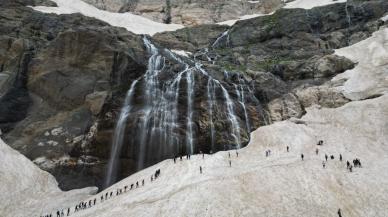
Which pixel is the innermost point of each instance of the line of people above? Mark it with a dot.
(88, 204)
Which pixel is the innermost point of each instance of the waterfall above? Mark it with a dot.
(118, 137)
(232, 117)
(190, 99)
(211, 100)
(241, 99)
(161, 127)
(222, 36)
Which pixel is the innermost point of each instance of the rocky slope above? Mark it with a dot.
(189, 13)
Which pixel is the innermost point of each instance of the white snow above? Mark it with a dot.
(308, 4)
(245, 17)
(372, 57)
(131, 22)
(27, 190)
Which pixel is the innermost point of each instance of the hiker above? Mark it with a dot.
(237, 153)
(229, 154)
(102, 198)
(106, 195)
(111, 193)
(302, 156)
(62, 214)
(340, 157)
(339, 213)
(203, 155)
(76, 208)
(125, 188)
(316, 151)
(174, 160)
(200, 169)
(152, 178)
(180, 157)
(230, 163)
(137, 184)
(288, 149)
(347, 164)
(326, 157)
(189, 156)
(90, 203)
(351, 168)
(131, 186)
(332, 157)
(58, 214)
(142, 182)
(266, 153)
(68, 211)
(323, 164)
(94, 202)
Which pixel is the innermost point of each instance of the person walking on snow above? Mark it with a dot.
(230, 163)
(339, 213)
(302, 156)
(288, 149)
(326, 157)
(200, 169)
(340, 158)
(316, 151)
(323, 164)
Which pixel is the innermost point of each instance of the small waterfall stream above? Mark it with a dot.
(118, 137)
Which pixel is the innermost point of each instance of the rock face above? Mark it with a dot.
(189, 13)
(64, 81)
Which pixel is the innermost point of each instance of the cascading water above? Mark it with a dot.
(218, 40)
(211, 102)
(241, 99)
(118, 137)
(164, 125)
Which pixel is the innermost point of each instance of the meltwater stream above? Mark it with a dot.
(167, 107)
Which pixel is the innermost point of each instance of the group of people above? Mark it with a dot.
(88, 204)
(108, 195)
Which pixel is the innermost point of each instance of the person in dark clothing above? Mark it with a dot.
(106, 195)
(131, 186)
(229, 154)
(68, 211)
(288, 149)
(137, 184)
(302, 156)
(203, 155)
(174, 160)
(236, 153)
(323, 164)
(142, 182)
(347, 164)
(58, 214)
(316, 151)
(111, 194)
(90, 203)
(76, 208)
(200, 169)
(180, 157)
(340, 157)
(339, 213)
(62, 214)
(152, 178)
(230, 163)
(102, 198)
(326, 157)
(351, 168)
(125, 188)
